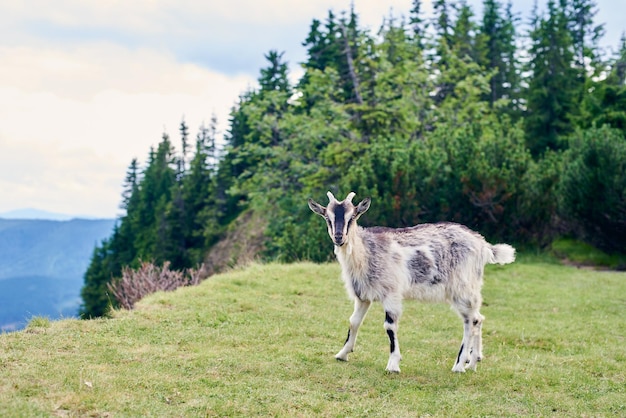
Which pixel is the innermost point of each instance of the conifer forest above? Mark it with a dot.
(512, 125)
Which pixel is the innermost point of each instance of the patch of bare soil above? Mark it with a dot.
(242, 244)
(583, 266)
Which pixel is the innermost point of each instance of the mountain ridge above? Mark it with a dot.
(42, 266)
(40, 214)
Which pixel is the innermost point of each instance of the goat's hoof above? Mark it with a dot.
(471, 366)
(392, 368)
(458, 368)
(341, 358)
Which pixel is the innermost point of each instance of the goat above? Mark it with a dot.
(441, 262)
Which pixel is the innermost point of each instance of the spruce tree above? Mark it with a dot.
(463, 39)
(606, 101)
(199, 195)
(418, 24)
(155, 193)
(585, 36)
(499, 53)
(184, 146)
(552, 93)
(122, 242)
(131, 184)
(274, 77)
(443, 22)
(96, 300)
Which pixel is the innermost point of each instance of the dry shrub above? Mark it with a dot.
(147, 279)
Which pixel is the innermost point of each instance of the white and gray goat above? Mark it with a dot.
(440, 262)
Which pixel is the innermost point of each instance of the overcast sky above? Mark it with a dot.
(85, 86)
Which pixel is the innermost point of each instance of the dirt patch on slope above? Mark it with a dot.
(243, 242)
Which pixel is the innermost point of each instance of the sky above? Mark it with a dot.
(86, 86)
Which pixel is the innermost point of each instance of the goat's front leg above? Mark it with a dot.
(360, 309)
(393, 310)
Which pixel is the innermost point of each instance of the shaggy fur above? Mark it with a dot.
(441, 262)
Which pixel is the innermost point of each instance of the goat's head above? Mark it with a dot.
(340, 216)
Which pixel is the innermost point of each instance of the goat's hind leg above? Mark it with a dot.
(476, 337)
(360, 309)
(471, 346)
(392, 316)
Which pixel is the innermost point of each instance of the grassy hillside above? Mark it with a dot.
(261, 341)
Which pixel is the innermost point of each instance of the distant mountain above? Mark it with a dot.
(21, 298)
(42, 264)
(30, 213)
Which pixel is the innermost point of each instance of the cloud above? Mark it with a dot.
(227, 36)
(75, 181)
(74, 119)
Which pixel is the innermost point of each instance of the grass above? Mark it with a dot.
(260, 342)
(39, 322)
(580, 253)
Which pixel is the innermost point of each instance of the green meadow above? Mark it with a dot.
(259, 341)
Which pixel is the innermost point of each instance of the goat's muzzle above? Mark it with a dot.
(339, 240)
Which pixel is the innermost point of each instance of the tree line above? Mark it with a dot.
(516, 131)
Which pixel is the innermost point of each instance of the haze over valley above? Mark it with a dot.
(42, 264)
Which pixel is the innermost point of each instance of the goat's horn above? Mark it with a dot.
(350, 196)
(330, 197)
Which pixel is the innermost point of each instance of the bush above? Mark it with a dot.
(469, 174)
(147, 279)
(592, 190)
(537, 222)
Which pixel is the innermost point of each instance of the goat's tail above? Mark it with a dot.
(502, 254)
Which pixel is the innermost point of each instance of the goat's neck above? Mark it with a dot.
(352, 255)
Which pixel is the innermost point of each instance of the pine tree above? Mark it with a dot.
(274, 77)
(199, 195)
(499, 53)
(337, 45)
(93, 293)
(105, 265)
(458, 48)
(315, 43)
(463, 41)
(122, 243)
(619, 65)
(174, 226)
(585, 36)
(443, 22)
(321, 43)
(155, 193)
(184, 142)
(606, 101)
(131, 184)
(206, 140)
(552, 94)
(417, 23)
(443, 53)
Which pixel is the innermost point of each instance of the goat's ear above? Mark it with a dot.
(363, 206)
(317, 208)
